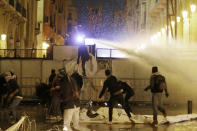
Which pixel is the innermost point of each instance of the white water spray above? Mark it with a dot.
(177, 61)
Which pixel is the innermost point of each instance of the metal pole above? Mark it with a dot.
(167, 22)
(189, 107)
(175, 19)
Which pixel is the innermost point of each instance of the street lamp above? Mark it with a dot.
(80, 38)
(3, 36)
(178, 19)
(172, 23)
(45, 45)
(193, 8)
(163, 30)
(184, 13)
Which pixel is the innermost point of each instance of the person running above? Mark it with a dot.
(116, 95)
(129, 92)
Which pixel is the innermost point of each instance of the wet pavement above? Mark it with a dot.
(38, 113)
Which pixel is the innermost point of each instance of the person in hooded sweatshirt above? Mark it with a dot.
(157, 86)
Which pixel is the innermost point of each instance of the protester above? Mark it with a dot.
(116, 96)
(129, 92)
(157, 85)
(70, 93)
(51, 77)
(84, 56)
(54, 109)
(14, 96)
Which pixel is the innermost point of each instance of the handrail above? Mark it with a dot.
(26, 53)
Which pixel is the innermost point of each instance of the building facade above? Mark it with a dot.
(101, 19)
(59, 17)
(64, 20)
(168, 20)
(17, 27)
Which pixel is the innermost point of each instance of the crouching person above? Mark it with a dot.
(14, 97)
(70, 93)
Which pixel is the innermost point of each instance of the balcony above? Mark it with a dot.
(25, 53)
(13, 8)
(158, 7)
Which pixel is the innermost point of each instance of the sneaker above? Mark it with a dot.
(109, 122)
(65, 129)
(132, 121)
(154, 122)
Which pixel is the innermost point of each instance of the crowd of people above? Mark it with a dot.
(117, 89)
(65, 98)
(64, 95)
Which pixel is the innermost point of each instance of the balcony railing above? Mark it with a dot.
(26, 53)
(110, 53)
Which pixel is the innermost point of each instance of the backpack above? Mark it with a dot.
(160, 82)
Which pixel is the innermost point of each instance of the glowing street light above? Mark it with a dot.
(193, 8)
(158, 34)
(178, 19)
(163, 30)
(45, 45)
(184, 13)
(80, 38)
(172, 23)
(3, 36)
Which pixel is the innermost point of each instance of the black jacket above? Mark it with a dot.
(68, 87)
(83, 54)
(127, 89)
(111, 84)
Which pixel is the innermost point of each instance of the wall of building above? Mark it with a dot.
(18, 24)
(40, 19)
(56, 21)
(157, 19)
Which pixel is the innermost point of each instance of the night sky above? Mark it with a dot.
(108, 7)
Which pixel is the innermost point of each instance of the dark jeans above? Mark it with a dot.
(113, 101)
(54, 108)
(83, 67)
(127, 105)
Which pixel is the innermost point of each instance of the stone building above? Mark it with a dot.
(59, 18)
(17, 27)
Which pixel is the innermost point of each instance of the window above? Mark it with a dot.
(110, 53)
(52, 1)
(69, 16)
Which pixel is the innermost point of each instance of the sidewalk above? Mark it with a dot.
(38, 112)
